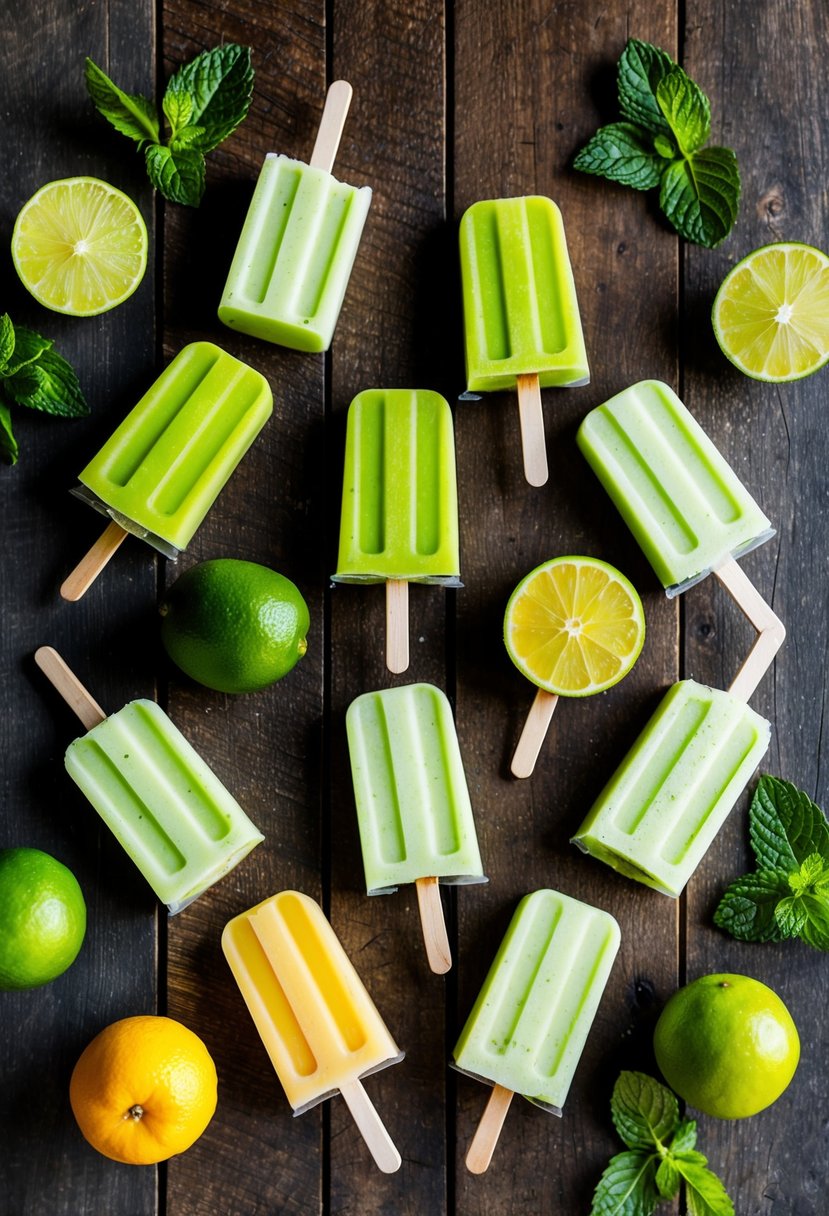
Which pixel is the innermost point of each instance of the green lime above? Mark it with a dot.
(42, 918)
(727, 1045)
(234, 626)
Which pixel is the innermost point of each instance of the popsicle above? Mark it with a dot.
(521, 315)
(162, 469)
(161, 801)
(413, 806)
(529, 1025)
(684, 504)
(319, 1025)
(671, 794)
(293, 261)
(399, 521)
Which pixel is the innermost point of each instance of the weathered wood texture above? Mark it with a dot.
(452, 103)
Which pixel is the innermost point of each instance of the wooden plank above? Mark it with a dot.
(530, 88)
(773, 437)
(51, 131)
(255, 1157)
(393, 54)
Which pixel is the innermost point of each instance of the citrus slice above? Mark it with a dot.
(771, 313)
(574, 626)
(80, 246)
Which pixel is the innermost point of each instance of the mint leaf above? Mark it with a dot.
(811, 873)
(178, 108)
(791, 916)
(785, 826)
(686, 109)
(685, 1137)
(131, 114)
(49, 385)
(641, 68)
(644, 1112)
(177, 174)
(815, 929)
(746, 911)
(622, 153)
(188, 137)
(7, 340)
(700, 195)
(705, 1194)
(220, 85)
(8, 444)
(667, 1178)
(28, 347)
(627, 1187)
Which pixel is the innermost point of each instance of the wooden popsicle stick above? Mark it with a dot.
(69, 686)
(93, 562)
(380, 1144)
(489, 1129)
(433, 925)
(534, 733)
(397, 625)
(533, 443)
(334, 114)
(771, 631)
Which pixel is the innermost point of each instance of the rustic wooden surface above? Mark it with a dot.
(452, 103)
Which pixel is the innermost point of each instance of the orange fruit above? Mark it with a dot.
(143, 1090)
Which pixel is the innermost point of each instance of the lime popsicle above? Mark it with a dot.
(161, 801)
(290, 271)
(529, 1025)
(521, 316)
(413, 806)
(162, 469)
(399, 521)
(660, 811)
(319, 1025)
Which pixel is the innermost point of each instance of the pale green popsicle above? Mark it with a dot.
(162, 469)
(529, 1025)
(400, 498)
(162, 802)
(521, 314)
(289, 273)
(671, 794)
(413, 806)
(680, 498)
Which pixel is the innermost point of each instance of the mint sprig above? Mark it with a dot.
(205, 101)
(34, 375)
(662, 1155)
(662, 143)
(788, 894)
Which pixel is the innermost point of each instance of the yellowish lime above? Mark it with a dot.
(80, 246)
(771, 313)
(234, 625)
(727, 1045)
(574, 626)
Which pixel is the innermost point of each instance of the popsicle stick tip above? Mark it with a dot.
(397, 625)
(64, 680)
(533, 734)
(433, 925)
(76, 584)
(531, 417)
(371, 1127)
(489, 1129)
(334, 114)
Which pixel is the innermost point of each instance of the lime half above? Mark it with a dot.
(771, 313)
(80, 246)
(574, 626)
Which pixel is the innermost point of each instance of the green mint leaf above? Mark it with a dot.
(746, 911)
(644, 1112)
(623, 153)
(812, 871)
(785, 825)
(28, 347)
(7, 340)
(131, 114)
(641, 68)
(700, 195)
(665, 147)
(791, 916)
(178, 108)
(177, 174)
(189, 137)
(815, 929)
(686, 109)
(627, 1187)
(668, 1178)
(685, 1137)
(705, 1194)
(49, 385)
(220, 84)
(8, 444)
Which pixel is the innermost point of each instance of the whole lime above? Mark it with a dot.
(727, 1045)
(234, 625)
(42, 918)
